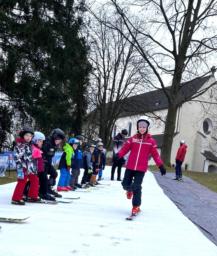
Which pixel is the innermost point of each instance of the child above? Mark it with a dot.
(37, 141)
(65, 166)
(102, 153)
(98, 160)
(88, 165)
(49, 148)
(141, 146)
(25, 167)
(75, 163)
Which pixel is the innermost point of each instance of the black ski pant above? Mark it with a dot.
(116, 164)
(86, 176)
(74, 177)
(178, 169)
(133, 182)
(43, 183)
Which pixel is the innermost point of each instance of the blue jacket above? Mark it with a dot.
(77, 159)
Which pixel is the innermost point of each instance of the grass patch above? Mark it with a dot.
(208, 180)
(9, 177)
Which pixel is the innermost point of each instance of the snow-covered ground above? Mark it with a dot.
(96, 225)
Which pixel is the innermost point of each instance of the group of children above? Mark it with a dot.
(36, 175)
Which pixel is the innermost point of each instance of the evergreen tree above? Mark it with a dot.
(44, 65)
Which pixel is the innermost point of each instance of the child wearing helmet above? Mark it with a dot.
(88, 165)
(65, 167)
(75, 164)
(140, 147)
(25, 167)
(37, 143)
(98, 160)
(102, 153)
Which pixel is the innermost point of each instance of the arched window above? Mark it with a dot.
(207, 126)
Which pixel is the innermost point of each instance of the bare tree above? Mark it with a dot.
(115, 73)
(179, 38)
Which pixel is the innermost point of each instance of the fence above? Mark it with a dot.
(7, 161)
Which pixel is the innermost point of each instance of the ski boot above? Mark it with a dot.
(48, 197)
(135, 210)
(62, 189)
(18, 202)
(54, 193)
(33, 200)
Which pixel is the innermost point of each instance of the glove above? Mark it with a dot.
(97, 170)
(116, 157)
(90, 171)
(163, 171)
(20, 174)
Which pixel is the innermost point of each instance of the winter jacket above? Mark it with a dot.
(181, 152)
(98, 159)
(66, 158)
(118, 142)
(141, 147)
(77, 159)
(23, 156)
(87, 160)
(49, 148)
(37, 158)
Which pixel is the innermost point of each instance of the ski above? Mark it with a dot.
(62, 201)
(43, 201)
(13, 220)
(72, 198)
(132, 216)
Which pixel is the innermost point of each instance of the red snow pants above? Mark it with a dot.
(21, 183)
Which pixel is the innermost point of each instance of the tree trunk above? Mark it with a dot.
(169, 134)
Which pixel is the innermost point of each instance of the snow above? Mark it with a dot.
(96, 225)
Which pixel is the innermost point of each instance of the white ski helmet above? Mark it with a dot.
(38, 136)
(182, 142)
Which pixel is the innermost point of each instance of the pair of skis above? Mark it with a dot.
(64, 200)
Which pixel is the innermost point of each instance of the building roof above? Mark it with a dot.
(210, 156)
(157, 100)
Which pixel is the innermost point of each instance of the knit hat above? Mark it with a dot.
(57, 134)
(26, 129)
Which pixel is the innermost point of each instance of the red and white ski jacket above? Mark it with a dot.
(141, 147)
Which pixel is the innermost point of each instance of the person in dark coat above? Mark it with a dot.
(49, 148)
(118, 142)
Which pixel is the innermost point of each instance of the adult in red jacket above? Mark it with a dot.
(141, 146)
(180, 156)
